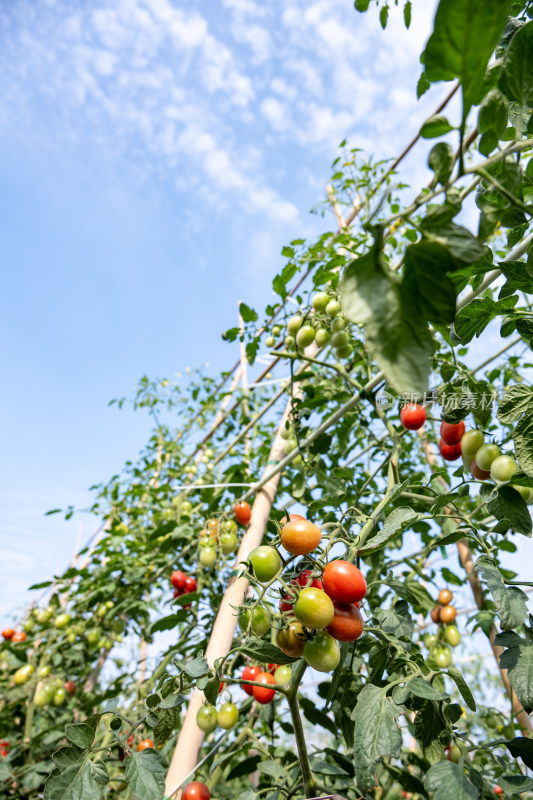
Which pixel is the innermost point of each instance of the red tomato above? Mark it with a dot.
(221, 687)
(262, 694)
(477, 472)
(177, 593)
(347, 624)
(177, 579)
(243, 513)
(344, 582)
(129, 740)
(196, 791)
(452, 433)
(190, 585)
(497, 789)
(304, 579)
(291, 518)
(272, 668)
(250, 674)
(412, 416)
(300, 537)
(70, 687)
(7, 633)
(145, 744)
(19, 636)
(450, 452)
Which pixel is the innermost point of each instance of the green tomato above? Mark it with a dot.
(322, 652)
(260, 620)
(452, 635)
(492, 721)
(294, 324)
(93, 636)
(525, 491)
(101, 610)
(185, 507)
(290, 445)
(29, 625)
(43, 616)
(467, 461)
(471, 442)
(320, 301)
(442, 656)
(270, 341)
(338, 324)
(43, 695)
(228, 526)
(23, 674)
(503, 469)
(60, 696)
(322, 337)
(339, 339)
(276, 330)
(71, 637)
(43, 672)
(207, 557)
(227, 716)
(289, 342)
(333, 308)
(486, 455)
(345, 352)
(228, 543)
(305, 336)
(206, 718)
(266, 563)
(286, 432)
(508, 731)
(283, 674)
(313, 608)
(430, 640)
(61, 621)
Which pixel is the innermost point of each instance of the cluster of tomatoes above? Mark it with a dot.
(11, 635)
(448, 634)
(222, 535)
(318, 610)
(325, 325)
(4, 747)
(182, 583)
(413, 416)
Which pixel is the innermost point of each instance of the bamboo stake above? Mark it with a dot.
(244, 381)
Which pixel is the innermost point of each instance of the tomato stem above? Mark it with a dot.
(292, 699)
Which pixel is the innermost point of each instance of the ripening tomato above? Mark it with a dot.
(486, 455)
(196, 791)
(70, 686)
(344, 582)
(450, 452)
(503, 469)
(190, 585)
(498, 789)
(177, 579)
(7, 633)
(228, 714)
(18, 636)
(260, 620)
(243, 513)
(292, 517)
(266, 563)
(145, 744)
(448, 614)
(478, 473)
(347, 624)
(445, 597)
(435, 613)
(453, 753)
(250, 674)
(471, 442)
(412, 416)
(452, 433)
(263, 694)
(314, 608)
(292, 639)
(322, 652)
(206, 718)
(300, 536)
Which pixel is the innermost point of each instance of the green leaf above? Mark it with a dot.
(376, 733)
(361, 5)
(397, 620)
(473, 318)
(248, 314)
(426, 278)
(266, 652)
(507, 503)
(145, 775)
(460, 242)
(441, 160)
(511, 603)
(518, 275)
(168, 719)
(518, 660)
(449, 782)
(422, 86)
(383, 16)
(462, 685)
(521, 747)
(523, 443)
(398, 520)
(437, 125)
(195, 668)
(245, 767)
(76, 777)
(167, 623)
(316, 716)
(517, 400)
(272, 769)
(465, 34)
(516, 77)
(515, 784)
(428, 728)
(82, 735)
(493, 113)
(421, 688)
(407, 14)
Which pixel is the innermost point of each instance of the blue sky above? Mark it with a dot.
(155, 157)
